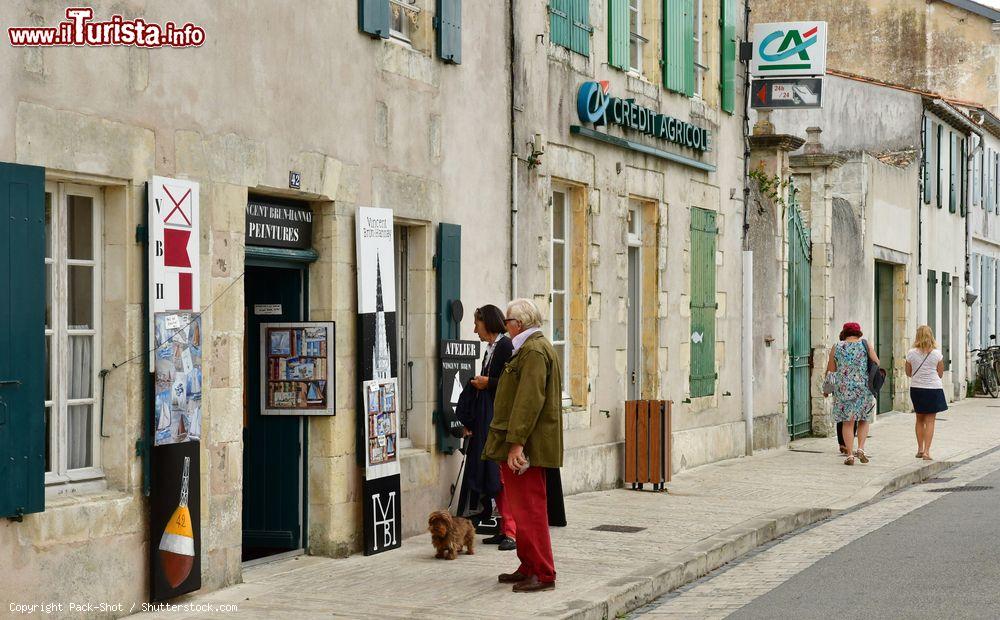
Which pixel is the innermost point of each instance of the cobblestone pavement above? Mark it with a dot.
(709, 516)
(725, 591)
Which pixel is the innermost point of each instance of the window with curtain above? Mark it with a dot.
(72, 323)
(560, 276)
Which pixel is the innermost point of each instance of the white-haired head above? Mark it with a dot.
(525, 312)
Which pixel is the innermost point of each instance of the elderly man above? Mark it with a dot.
(526, 437)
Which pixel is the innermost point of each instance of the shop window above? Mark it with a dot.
(72, 332)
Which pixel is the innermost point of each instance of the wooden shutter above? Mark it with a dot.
(928, 165)
(962, 178)
(932, 301)
(938, 190)
(618, 34)
(449, 30)
(703, 304)
(678, 46)
(977, 183)
(449, 288)
(952, 171)
(946, 319)
(727, 64)
(22, 332)
(579, 26)
(559, 22)
(373, 17)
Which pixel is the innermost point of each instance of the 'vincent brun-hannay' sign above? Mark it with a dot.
(278, 225)
(594, 105)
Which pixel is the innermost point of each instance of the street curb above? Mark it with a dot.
(650, 582)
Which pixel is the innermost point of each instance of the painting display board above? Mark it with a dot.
(458, 365)
(381, 428)
(297, 368)
(177, 377)
(378, 406)
(175, 406)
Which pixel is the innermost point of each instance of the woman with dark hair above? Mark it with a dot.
(481, 479)
(852, 401)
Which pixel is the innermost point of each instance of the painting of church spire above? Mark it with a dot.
(381, 360)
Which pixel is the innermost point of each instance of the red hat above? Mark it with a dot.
(852, 327)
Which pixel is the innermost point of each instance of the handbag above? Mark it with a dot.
(829, 383)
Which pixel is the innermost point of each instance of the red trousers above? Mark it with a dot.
(524, 498)
(508, 526)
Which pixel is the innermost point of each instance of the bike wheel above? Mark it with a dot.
(991, 383)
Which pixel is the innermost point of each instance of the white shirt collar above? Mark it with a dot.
(519, 339)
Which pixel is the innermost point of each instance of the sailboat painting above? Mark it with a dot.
(381, 454)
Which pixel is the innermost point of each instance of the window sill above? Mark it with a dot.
(77, 482)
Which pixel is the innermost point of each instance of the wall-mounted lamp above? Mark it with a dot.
(970, 295)
(537, 146)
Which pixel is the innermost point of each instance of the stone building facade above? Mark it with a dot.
(364, 121)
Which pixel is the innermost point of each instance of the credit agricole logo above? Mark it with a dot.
(790, 48)
(596, 106)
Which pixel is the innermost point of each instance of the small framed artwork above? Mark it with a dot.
(297, 364)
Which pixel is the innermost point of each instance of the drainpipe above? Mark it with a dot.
(513, 159)
(746, 342)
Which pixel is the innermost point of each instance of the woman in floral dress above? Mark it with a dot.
(852, 401)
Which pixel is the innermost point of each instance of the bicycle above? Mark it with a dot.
(984, 370)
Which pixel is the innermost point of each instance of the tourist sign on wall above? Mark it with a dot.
(786, 93)
(789, 48)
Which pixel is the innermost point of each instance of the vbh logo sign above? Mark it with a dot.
(789, 48)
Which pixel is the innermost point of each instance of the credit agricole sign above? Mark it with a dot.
(595, 106)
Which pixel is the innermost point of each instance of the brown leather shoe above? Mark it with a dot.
(514, 577)
(534, 585)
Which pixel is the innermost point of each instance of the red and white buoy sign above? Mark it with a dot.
(177, 543)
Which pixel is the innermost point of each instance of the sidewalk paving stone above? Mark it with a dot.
(708, 517)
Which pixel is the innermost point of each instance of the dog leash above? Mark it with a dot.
(454, 486)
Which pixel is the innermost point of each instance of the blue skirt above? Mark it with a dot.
(928, 400)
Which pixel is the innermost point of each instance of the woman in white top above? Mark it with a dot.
(925, 367)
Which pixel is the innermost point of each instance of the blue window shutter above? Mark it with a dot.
(373, 17)
(727, 78)
(449, 30)
(22, 330)
(618, 34)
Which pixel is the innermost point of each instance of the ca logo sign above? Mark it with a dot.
(794, 48)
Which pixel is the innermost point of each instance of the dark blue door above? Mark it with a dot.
(273, 475)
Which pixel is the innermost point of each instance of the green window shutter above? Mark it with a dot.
(22, 330)
(946, 319)
(579, 26)
(703, 304)
(618, 34)
(938, 190)
(373, 17)
(559, 22)
(952, 169)
(449, 30)
(727, 64)
(678, 46)
(928, 166)
(448, 263)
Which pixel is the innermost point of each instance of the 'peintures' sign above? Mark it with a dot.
(595, 106)
(274, 224)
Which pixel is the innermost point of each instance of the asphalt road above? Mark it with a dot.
(940, 561)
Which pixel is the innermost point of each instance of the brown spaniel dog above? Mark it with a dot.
(449, 534)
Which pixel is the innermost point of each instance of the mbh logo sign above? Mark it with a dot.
(789, 48)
